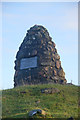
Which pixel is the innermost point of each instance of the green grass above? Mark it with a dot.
(59, 105)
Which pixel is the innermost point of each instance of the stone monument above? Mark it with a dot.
(37, 61)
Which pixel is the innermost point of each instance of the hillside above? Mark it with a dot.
(17, 102)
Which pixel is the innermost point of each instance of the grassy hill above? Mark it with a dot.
(17, 102)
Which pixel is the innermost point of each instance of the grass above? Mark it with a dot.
(17, 102)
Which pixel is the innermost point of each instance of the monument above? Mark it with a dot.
(37, 61)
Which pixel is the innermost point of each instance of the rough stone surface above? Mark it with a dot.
(37, 43)
(50, 90)
(36, 111)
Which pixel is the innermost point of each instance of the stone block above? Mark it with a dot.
(58, 64)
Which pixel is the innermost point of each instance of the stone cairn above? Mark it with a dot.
(37, 61)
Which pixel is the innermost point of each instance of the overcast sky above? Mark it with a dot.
(61, 21)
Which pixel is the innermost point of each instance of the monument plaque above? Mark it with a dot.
(28, 63)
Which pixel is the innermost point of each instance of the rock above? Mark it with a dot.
(46, 68)
(58, 64)
(37, 60)
(23, 92)
(54, 72)
(50, 90)
(53, 59)
(50, 43)
(37, 102)
(28, 42)
(57, 56)
(47, 52)
(34, 52)
(45, 63)
(56, 79)
(41, 41)
(54, 44)
(61, 73)
(69, 84)
(71, 118)
(36, 111)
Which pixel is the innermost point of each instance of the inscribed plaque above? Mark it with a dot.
(28, 63)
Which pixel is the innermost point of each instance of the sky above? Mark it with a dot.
(61, 21)
(39, 0)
